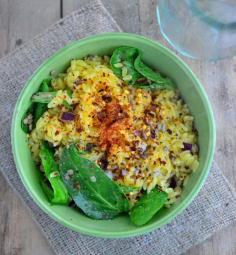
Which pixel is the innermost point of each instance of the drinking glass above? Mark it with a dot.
(203, 29)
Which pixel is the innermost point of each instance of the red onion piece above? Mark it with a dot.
(137, 132)
(67, 116)
(173, 182)
(153, 134)
(187, 146)
(103, 162)
(101, 115)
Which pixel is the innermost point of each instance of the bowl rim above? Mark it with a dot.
(190, 196)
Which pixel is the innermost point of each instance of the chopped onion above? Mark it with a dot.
(124, 172)
(101, 115)
(142, 147)
(153, 134)
(137, 132)
(67, 116)
(187, 146)
(103, 162)
(173, 182)
(89, 147)
(136, 171)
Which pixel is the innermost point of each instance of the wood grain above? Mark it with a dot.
(218, 79)
(21, 20)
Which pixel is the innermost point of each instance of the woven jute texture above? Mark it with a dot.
(213, 209)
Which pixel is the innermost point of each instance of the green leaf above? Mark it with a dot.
(47, 82)
(47, 190)
(43, 97)
(67, 105)
(125, 57)
(150, 74)
(92, 191)
(129, 58)
(51, 169)
(148, 205)
(37, 109)
(69, 92)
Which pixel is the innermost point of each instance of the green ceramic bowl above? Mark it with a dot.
(156, 56)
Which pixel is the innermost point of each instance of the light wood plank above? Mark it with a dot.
(218, 78)
(19, 235)
(4, 28)
(20, 21)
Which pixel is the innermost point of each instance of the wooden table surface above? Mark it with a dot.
(21, 20)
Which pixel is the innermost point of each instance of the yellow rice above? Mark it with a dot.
(141, 134)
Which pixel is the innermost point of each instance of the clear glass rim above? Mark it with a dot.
(182, 51)
(208, 19)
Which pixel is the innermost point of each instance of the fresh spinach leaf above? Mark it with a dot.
(47, 190)
(51, 169)
(150, 74)
(92, 191)
(126, 63)
(36, 109)
(69, 92)
(67, 105)
(122, 63)
(148, 205)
